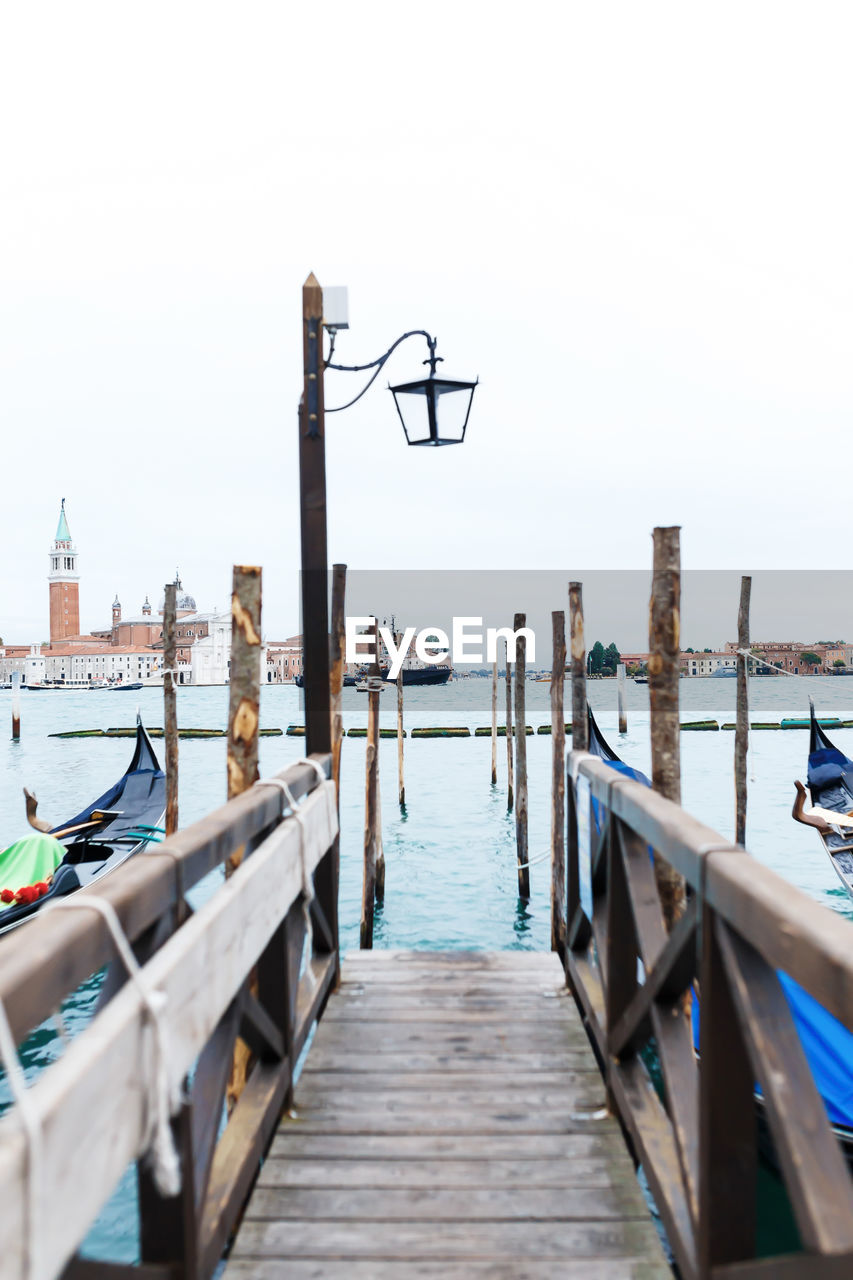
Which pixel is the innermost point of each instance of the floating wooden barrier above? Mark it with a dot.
(798, 723)
(700, 725)
(455, 731)
(159, 733)
(546, 728)
(296, 731)
(485, 730)
(383, 733)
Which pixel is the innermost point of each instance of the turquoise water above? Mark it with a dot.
(450, 857)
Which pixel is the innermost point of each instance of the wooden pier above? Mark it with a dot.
(450, 1121)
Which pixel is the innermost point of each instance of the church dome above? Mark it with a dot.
(183, 600)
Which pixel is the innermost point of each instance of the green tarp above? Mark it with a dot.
(28, 861)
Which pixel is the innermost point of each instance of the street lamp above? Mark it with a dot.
(432, 410)
(422, 399)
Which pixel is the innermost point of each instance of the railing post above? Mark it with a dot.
(558, 785)
(521, 848)
(727, 1137)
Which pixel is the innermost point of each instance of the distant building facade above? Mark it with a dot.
(131, 648)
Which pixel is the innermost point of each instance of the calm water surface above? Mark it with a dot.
(450, 858)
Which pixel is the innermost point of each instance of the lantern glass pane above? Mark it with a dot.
(452, 412)
(413, 409)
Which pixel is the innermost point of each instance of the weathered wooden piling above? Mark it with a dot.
(620, 698)
(508, 730)
(243, 717)
(336, 669)
(664, 648)
(580, 735)
(170, 709)
(371, 803)
(494, 722)
(742, 720)
(244, 688)
(558, 785)
(16, 706)
(401, 782)
(520, 621)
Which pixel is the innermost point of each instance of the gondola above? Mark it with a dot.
(119, 824)
(830, 787)
(827, 1043)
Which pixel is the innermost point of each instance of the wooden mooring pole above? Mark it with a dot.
(244, 688)
(401, 782)
(580, 735)
(742, 719)
(336, 673)
(494, 722)
(664, 648)
(519, 622)
(16, 706)
(243, 717)
(620, 698)
(509, 771)
(558, 785)
(371, 803)
(170, 709)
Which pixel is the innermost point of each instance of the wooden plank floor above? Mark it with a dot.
(449, 1122)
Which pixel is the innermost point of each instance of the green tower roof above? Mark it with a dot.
(63, 533)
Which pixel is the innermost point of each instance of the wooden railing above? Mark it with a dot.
(234, 968)
(697, 1136)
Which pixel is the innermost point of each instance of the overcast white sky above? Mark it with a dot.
(633, 221)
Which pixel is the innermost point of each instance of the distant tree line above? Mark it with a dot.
(601, 661)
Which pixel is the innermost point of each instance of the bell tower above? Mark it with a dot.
(64, 584)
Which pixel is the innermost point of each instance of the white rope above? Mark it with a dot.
(163, 1101)
(533, 861)
(32, 1132)
(772, 666)
(307, 884)
(307, 879)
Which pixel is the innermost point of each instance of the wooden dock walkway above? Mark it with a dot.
(450, 1121)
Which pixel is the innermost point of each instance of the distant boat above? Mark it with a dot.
(115, 688)
(641, 679)
(830, 785)
(724, 672)
(422, 675)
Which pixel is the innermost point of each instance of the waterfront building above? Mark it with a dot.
(788, 654)
(283, 660)
(705, 664)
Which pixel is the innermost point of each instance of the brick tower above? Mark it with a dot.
(64, 584)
